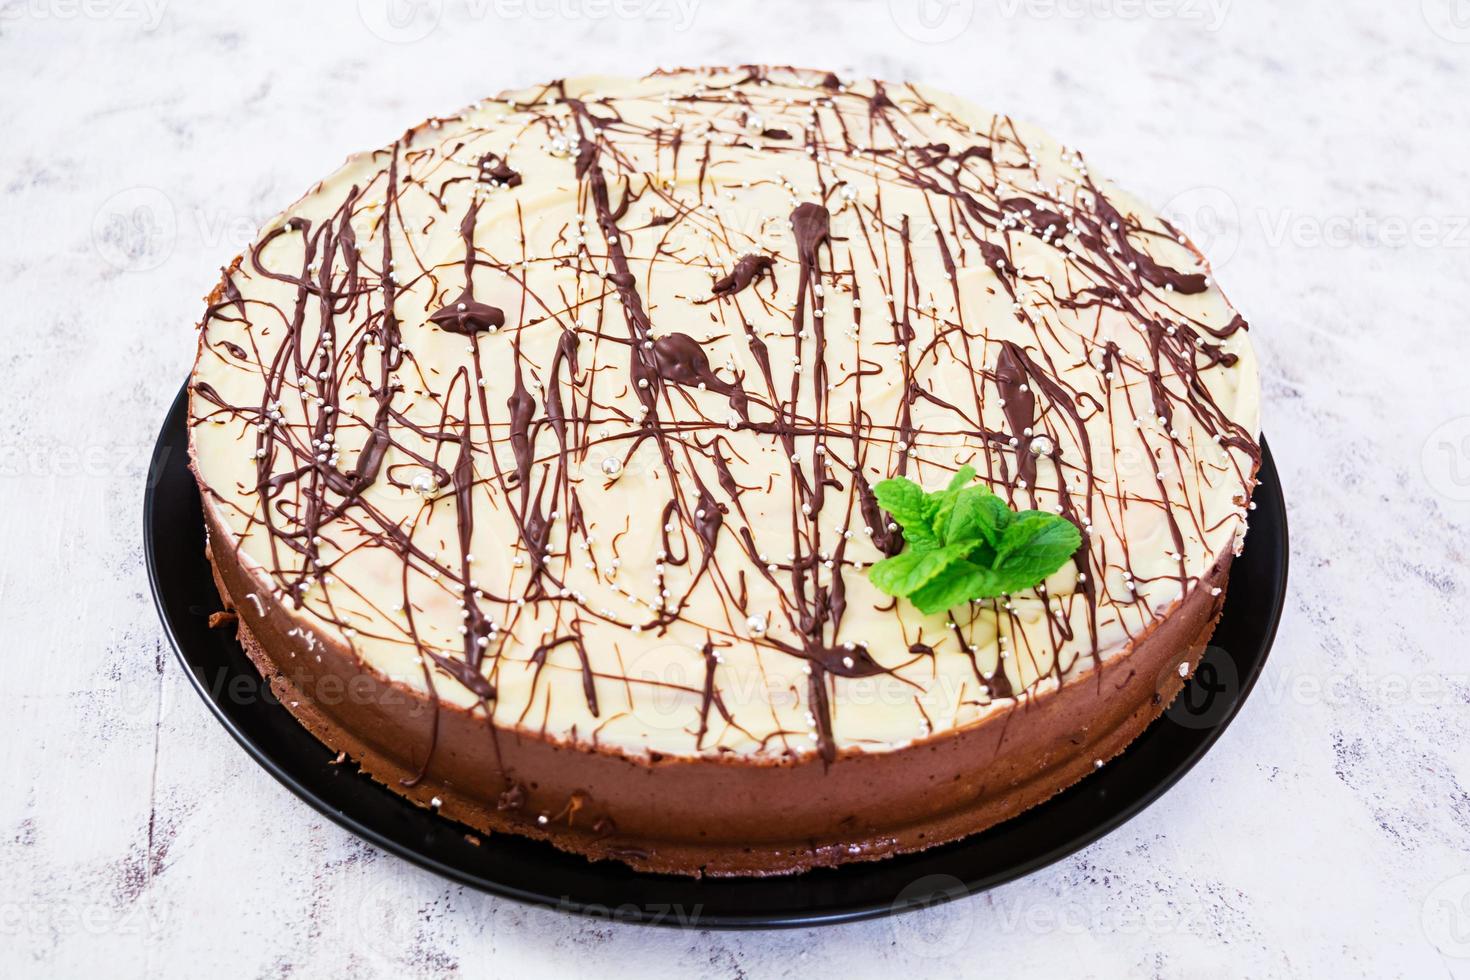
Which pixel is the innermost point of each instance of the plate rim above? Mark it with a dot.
(160, 461)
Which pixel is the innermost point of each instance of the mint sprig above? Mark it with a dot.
(963, 543)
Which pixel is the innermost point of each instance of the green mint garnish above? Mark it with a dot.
(964, 543)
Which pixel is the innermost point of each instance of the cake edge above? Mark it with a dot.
(712, 815)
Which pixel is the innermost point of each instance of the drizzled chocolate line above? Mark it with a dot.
(466, 315)
(749, 269)
(641, 193)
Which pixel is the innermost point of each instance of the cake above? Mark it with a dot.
(537, 453)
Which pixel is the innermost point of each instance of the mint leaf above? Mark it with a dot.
(961, 478)
(963, 543)
(997, 518)
(972, 517)
(962, 581)
(903, 498)
(1034, 546)
(909, 505)
(914, 568)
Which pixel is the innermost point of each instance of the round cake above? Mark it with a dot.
(538, 453)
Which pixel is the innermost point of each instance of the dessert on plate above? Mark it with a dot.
(550, 456)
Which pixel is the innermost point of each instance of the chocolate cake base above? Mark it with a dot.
(711, 815)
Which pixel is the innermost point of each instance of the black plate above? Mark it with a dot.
(173, 529)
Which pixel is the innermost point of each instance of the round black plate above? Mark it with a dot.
(173, 530)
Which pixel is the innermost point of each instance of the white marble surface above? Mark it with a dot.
(1319, 150)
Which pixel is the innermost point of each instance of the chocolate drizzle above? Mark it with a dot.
(494, 168)
(882, 315)
(465, 315)
(747, 270)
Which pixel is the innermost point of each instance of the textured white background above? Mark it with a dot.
(1317, 149)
